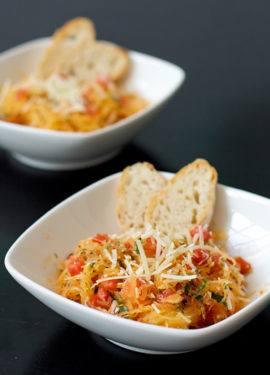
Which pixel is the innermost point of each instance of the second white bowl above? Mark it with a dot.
(154, 79)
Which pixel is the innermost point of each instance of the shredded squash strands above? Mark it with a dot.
(189, 282)
(61, 103)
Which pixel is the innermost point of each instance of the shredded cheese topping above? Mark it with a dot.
(187, 282)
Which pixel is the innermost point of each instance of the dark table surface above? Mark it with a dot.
(222, 113)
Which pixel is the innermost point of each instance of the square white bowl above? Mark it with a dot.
(154, 79)
(32, 262)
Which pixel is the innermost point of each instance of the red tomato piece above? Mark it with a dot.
(217, 267)
(140, 281)
(129, 243)
(94, 279)
(110, 285)
(63, 76)
(244, 266)
(21, 94)
(101, 299)
(87, 93)
(150, 246)
(206, 234)
(161, 297)
(90, 109)
(104, 81)
(124, 100)
(143, 288)
(200, 256)
(100, 238)
(196, 283)
(75, 265)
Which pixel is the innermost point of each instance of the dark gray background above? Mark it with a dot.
(222, 113)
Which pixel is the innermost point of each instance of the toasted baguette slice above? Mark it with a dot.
(98, 59)
(138, 183)
(73, 35)
(186, 201)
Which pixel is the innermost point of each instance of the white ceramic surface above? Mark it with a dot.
(154, 79)
(32, 262)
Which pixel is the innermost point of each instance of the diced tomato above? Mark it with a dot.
(21, 94)
(150, 246)
(100, 238)
(195, 283)
(161, 297)
(101, 299)
(94, 279)
(178, 286)
(104, 81)
(75, 265)
(244, 266)
(140, 281)
(87, 93)
(200, 256)
(90, 109)
(142, 289)
(124, 100)
(63, 76)
(129, 243)
(206, 234)
(216, 267)
(110, 285)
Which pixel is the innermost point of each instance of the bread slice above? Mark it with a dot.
(97, 59)
(71, 37)
(185, 202)
(138, 183)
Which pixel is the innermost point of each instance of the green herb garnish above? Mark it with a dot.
(137, 249)
(120, 305)
(186, 290)
(217, 297)
(123, 308)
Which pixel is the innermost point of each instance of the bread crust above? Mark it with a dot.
(204, 216)
(99, 58)
(77, 32)
(125, 191)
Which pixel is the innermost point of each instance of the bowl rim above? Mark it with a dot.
(13, 51)
(233, 320)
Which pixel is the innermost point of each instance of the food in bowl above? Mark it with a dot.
(191, 283)
(180, 281)
(78, 85)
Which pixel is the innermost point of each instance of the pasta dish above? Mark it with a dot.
(191, 282)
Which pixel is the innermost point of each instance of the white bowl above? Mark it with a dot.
(154, 79)
(32, 262)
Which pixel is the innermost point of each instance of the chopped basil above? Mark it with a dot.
(108, 247)
(180, 308)
(117, 300)
(199, 298)
(120, 305)
(123, 308)
(137, 249)
(186, 290)
(92, 264)
(217, 297)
